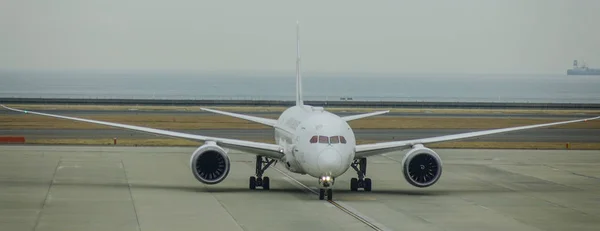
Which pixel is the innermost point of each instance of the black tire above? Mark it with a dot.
(252, 182)
(329, 194)
(266, 183)
(321, 194)
(368, 184)
(353, 184)
(259, 181)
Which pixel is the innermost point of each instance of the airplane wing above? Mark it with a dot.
(360, 116)
(265, 121)
(264, 149)
(365, 150)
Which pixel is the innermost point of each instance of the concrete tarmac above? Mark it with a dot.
(151, 188)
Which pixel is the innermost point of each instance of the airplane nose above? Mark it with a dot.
(330, 161)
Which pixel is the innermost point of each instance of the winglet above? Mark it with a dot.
(299, 100)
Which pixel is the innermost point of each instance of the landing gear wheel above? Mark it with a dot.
(367, 184)
(252, 182)
(266, 182)
(353, 184)
(329, 194)
(321, 194)
(259, 181)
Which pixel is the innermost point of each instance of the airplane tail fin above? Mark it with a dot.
(299, 100)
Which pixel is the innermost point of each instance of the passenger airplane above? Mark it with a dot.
(310, 140)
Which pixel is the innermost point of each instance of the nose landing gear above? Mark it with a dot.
(262, 164)
(326, 182)
(360, 166)
(323, 192)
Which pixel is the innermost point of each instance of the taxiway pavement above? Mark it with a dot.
(151, 188)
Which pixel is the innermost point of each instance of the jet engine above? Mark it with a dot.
(422, 167)
(210, 163)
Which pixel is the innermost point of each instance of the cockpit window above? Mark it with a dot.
(334, 139)
(323, 139)
(328, 140)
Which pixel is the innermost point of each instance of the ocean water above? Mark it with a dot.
(558, 88)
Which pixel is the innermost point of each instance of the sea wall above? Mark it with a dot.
(365, 104)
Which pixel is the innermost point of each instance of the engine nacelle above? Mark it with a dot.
(210, 163)
(422, 167)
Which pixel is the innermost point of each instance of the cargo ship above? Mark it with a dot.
(583, 70)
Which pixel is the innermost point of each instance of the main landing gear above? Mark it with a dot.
(262, 163)
(360, 165)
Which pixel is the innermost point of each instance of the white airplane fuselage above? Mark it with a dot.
(298, 125)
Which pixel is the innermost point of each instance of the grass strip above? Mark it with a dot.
(180, 122)
(458, 145)
(281, 109)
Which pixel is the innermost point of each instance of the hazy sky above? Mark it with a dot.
(459, 36)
